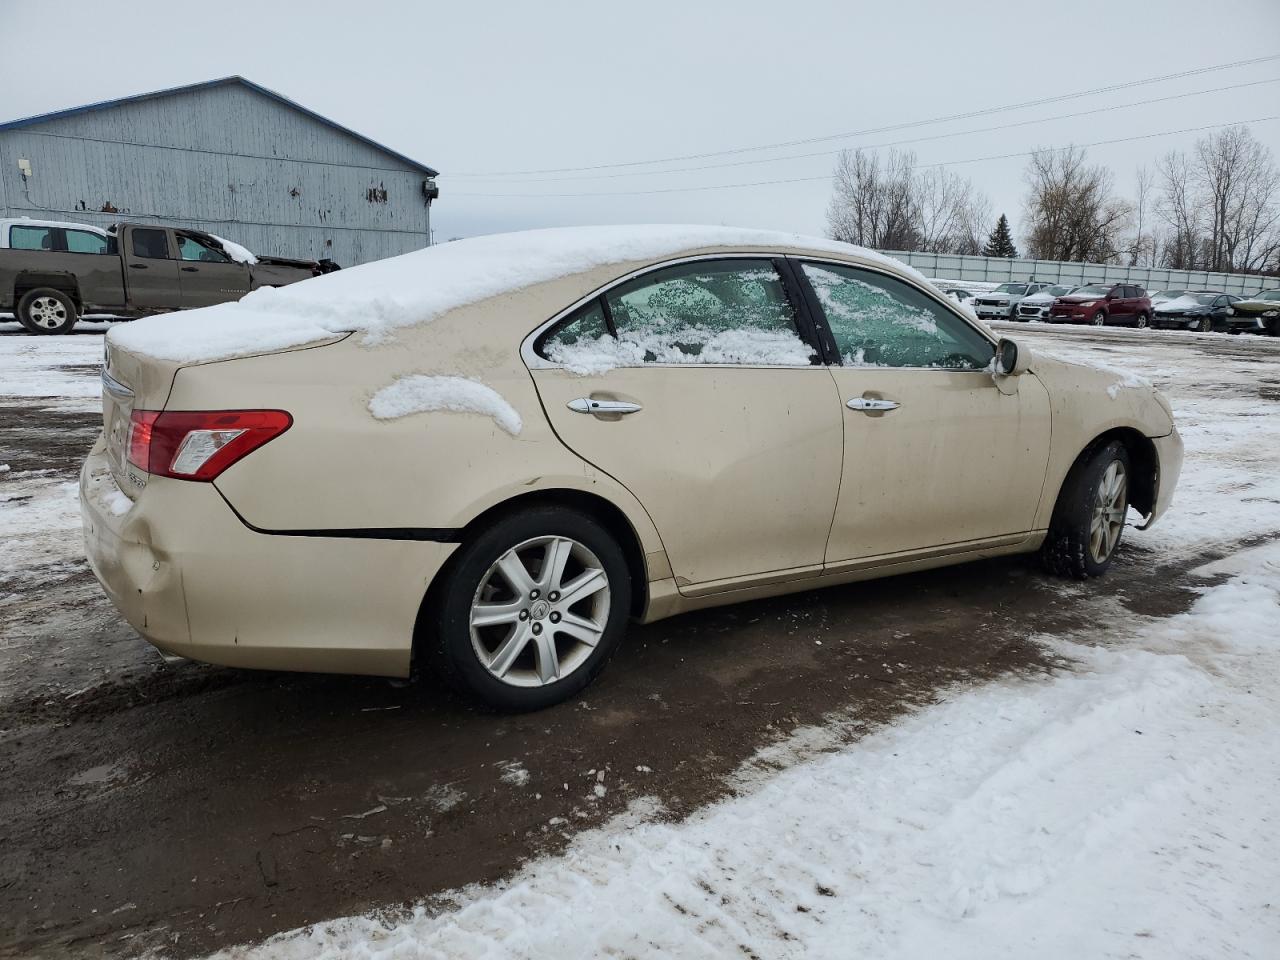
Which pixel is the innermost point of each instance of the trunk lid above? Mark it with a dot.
(130, 382)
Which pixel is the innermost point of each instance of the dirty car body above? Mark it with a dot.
(588, 426)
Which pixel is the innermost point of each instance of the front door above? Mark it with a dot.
(150, 271)
(936, 455)
(208, 275)
(694, 386)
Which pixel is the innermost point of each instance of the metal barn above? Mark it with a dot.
(228, 157)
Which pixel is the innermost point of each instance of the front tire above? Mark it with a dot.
(1099, 319)
(45, 310)
(531, 609)
(1142, 321)
(1088, 520)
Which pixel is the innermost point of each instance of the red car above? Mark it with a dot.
(1104, 304)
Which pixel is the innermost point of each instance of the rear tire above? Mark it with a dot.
(45, 310)
(1088, 520)
(535, 655)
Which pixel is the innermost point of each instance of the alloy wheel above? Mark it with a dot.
(1109, 507)
(1100, 320)
(539, 611)
(47, 312)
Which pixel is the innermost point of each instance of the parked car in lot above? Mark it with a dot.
(1036, 306)
(1119, 304)
(1202, 310)
(573, 428)
(1002, 302)
(52, 273)
(1258, 314)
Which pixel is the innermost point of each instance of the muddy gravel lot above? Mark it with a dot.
(189, 808)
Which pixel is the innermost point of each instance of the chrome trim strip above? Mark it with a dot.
(115, 387)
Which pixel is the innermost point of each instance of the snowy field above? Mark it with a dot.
(1126, 807)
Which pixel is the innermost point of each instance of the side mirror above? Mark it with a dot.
(1010, 361)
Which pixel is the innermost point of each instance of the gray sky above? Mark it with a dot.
(482, 87)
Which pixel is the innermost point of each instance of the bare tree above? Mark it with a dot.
(1239, 185)
(1142, 248)
(1181, 210)
(891, 205)
(1072, 213)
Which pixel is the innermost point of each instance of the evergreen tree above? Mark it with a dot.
(1000, 243)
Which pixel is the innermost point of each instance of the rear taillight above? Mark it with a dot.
(199, 445)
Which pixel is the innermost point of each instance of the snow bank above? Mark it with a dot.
(423, 394)
(233, 250)
(379, 298)
(1124, 810)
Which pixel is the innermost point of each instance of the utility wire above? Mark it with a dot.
(892, 143)
(827, 176)
(1110, 88)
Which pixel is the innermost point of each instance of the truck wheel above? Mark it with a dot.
(45, 310)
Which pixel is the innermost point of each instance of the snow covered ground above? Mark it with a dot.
(1125, 808)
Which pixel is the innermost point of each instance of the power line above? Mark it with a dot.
(1111, 88)
(896, 143)
(941, 163)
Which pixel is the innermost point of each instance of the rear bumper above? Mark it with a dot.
(197, 583)
(1169, 462)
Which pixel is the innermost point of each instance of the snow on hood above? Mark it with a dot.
(380, 297)
(1180, 303)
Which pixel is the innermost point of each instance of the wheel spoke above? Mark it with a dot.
(516, 573)
(547, 657)
(495, 614)
(557, 556)
(510, 648)
(584, 585)
(580, 628)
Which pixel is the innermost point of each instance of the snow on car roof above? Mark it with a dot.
(380, 297)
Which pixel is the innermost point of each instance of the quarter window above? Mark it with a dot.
(880, 321)
(31, 238)
(706, 312)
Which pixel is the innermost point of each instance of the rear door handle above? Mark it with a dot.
(138, 266)
(190, 269)
(591, 405)
(868, 405)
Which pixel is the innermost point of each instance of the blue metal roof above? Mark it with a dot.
(223, 81)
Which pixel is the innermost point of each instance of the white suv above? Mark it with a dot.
(1036, 306)
(1002, 302)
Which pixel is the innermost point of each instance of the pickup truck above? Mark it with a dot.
(53, 273)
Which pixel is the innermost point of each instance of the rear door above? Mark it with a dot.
(936, 455)
(696, 386)
(207, 275)
(150, 269)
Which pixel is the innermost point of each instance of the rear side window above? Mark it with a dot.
(734, 312)
(31, 238)
(151, 244)
(880, 321)
(82, 241)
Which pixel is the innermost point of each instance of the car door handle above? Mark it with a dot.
(591, 405)
(868, 405)
(190, 269)
(138, 266)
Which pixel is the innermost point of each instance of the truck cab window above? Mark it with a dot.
(150, 244)
(189, 248)
(31, 238)
(82, 241)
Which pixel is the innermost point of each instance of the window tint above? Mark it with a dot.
(151, 244)
(879, 321)
(82, 241)
(189, 248)
(31, 238)
(707, 312)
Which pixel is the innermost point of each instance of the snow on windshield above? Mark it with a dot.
(379, 298)
(1014, 288)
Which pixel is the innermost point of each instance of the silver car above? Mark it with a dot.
(1002, 302)
(1036, 306)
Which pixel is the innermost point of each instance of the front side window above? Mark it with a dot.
(880, 321)
(151, 244)
(189, 248)
(31, 238)
(707, 312)
(82, 241)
